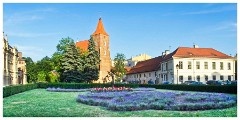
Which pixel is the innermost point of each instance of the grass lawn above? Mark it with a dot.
(41, 103)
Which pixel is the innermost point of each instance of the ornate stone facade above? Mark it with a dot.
(11, 71)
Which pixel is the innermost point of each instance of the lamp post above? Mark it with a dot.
(177, 67)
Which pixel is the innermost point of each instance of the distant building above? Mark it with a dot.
(14, 71)
(102, 40)
(134, 60)
(197, 64)
(22, 70)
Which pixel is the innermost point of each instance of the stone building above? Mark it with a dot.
(102, 40)
(11, 66)
(22, 70)
(134, 60)
(185, 63)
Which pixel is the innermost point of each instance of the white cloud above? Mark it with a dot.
(25, 16)
(17, 34)
(36, 53)
(227, 26)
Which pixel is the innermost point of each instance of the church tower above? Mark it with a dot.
(101, 39)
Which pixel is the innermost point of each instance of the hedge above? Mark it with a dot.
(82, 85)
(201, 88)
(11, 90)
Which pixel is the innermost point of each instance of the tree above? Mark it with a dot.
(71, 65)
(41, 76)
(32, 70)
(63, 43)
(53, 76)
(92, 61)
(119, 69)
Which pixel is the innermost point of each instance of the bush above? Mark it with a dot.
(202, 88)
(82, 85)
(11, 90)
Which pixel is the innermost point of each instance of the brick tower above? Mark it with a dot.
(101, 39)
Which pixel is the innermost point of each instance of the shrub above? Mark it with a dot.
(11, 90)
(82, 85)
(202, 88)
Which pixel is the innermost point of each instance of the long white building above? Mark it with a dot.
(185, 63)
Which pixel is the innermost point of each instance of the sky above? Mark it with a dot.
(35, 29)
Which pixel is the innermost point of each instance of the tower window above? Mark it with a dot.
(105, 44)
(105, 53)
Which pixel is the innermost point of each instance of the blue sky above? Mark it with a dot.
(133, 28)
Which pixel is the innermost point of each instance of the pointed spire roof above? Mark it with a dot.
(100, 28)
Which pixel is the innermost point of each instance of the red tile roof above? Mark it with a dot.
(83, 45)
(146, 66)
(100, 28)
(199, 52)
(184, 52)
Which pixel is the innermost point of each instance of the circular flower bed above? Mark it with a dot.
(144, 100)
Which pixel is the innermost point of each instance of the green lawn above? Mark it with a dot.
(41, 103)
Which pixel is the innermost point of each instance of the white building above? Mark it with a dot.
(198, 64)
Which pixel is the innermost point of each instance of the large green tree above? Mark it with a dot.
(119, 69)
(92, 61)
(63, 43)
(71, 65)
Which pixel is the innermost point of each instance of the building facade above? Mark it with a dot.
(102, 41)
(11, 67)
(197, 64)
(134, 60)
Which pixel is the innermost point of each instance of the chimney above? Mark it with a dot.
(20, 55)
(163, 53)
(195, 46)
(167, 52)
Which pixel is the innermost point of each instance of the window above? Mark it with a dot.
(189, 77)
(149, 74)
(214, 65)
(198, 78)
(105, 53)
(162, 67)
(144, 75)
(198, 65)
(214, 77)
(139, 75)
(166, 66)
(105, 44)
(189, 65)
(221, 77)
(229, 66)
(155, 74)
(221, 65)
(229, 77)
(205, 65)
(180, 65)
(181, 78)
(206, 78)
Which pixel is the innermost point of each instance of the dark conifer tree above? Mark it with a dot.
(71, 65)
(92, 61)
